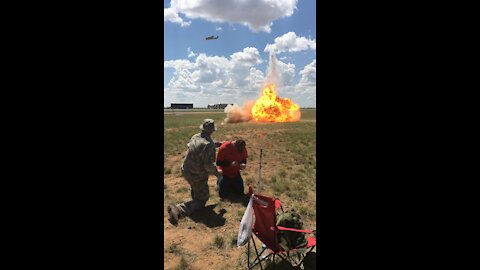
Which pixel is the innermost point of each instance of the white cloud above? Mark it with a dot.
(218, 28)
(178, 64)
(258, 15)
(287, 72)
(171, 15)
(234, 79)
(226, 79)
(190, 53)
(249, 56)
(289, 42)
(307, 86)
(309, 74)
(211, 69)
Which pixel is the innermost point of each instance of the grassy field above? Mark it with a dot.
(288, 173)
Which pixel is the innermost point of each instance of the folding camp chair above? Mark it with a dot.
(266, 231)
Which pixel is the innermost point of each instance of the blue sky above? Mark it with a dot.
(233, 68)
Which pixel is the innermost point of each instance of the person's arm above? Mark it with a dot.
(209, 160)
(243, 165)
(220, 160)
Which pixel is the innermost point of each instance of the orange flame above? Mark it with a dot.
(271, 108)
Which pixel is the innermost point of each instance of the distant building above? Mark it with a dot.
(217, 106)
(181, 105)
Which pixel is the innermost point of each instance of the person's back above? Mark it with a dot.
(200, 152)
(228, 152)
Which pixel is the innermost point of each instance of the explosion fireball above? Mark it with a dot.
(271, 108)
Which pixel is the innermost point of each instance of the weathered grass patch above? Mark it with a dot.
(280, 187)
(296, 194)
(218, 241)
(233, 240)
(182, 189)
(182, 265)
(296, 176)
(306, 212)
(174, 248)
(273, 179)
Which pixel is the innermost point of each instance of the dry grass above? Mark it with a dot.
(218, 241)
(183, 265)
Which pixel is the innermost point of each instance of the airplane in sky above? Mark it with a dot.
(211, 37)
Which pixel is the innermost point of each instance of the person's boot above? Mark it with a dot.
(173, 214)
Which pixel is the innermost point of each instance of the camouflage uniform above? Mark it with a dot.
(198, 164)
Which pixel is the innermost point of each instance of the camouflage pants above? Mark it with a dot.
(199, 192)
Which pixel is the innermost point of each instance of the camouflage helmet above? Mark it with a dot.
(208, 125)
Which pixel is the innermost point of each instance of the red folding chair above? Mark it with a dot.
(266, 231)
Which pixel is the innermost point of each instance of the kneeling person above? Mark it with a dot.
(231, 158)
(198, 164)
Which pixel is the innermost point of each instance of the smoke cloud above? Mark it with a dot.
(273, 76)
(237, 114)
